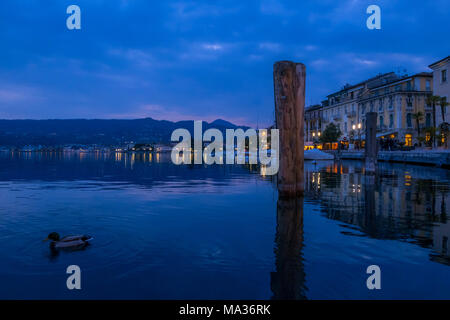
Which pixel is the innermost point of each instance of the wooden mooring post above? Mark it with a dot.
(371, 148)
(289, 90)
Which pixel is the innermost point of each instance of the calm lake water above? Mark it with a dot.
(219, 232)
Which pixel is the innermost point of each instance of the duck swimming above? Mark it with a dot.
(79, 241)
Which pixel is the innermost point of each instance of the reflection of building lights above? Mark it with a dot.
(407, 180)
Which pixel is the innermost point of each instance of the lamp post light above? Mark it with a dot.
(354, 126)
(359, 134)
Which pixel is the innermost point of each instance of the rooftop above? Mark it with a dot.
(348, 87)
(437, 62)
(313, 107)
(399, 79)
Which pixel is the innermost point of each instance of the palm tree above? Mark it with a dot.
(433, 100)
(444, 131)
(443, 103)
(418, 116)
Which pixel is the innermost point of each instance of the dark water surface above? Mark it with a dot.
(219, 232)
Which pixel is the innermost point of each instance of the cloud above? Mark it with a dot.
(15, 93)
(204, 51)
(202, 58)
(196, 9)
(213, 47)
(320, 63)
(138, 57)
(270, 46)
(275, 7)
(311, 47)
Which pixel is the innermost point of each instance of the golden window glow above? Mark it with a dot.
(408, 140)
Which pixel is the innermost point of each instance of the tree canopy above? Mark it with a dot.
(330, 134)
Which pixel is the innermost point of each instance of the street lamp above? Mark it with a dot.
(359, 134)
(354, 129)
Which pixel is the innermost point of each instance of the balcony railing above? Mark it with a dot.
(351, 114)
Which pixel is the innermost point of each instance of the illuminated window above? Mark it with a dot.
(408, 140)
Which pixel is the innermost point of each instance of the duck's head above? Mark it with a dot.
(54, 236)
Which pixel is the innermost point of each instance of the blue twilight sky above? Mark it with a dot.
(200, 59)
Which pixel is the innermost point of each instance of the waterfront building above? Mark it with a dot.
(343, 107)
(397, 101)
(313, 124)
(441, 88)
(395, 98)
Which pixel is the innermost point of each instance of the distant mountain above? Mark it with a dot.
(223, 123)
(102, 132)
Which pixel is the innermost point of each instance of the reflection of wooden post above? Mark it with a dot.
(289, 87)
(288, 280)
(371, 149)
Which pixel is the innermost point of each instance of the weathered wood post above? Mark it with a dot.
(371, 148)
(289, 90)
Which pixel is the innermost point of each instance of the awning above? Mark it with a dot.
(382, 134)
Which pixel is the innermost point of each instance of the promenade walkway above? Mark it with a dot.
(439, 157)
